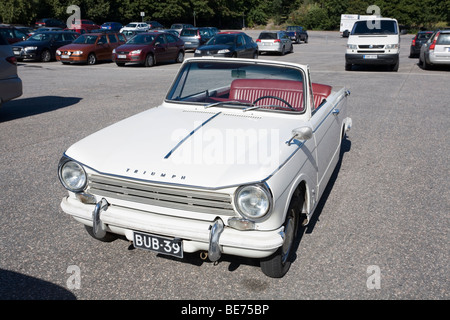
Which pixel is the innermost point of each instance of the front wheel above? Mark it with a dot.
(92, 59)
(149, 60)
(180, 57)
(278, 264)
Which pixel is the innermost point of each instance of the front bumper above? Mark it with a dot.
(27, 54)
(195, 234)
(381, 58)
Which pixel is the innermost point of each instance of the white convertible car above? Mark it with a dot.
(232, 162)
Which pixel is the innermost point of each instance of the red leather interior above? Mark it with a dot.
(249, 90)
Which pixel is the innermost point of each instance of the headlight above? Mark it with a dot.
(114, 50)
(136, 52)
(392, 46)
(352, 46)
(30, 48)
(223, 51)
(58, 52)
(72, 175)
(198, 51)
(253, 201)
(77, 53)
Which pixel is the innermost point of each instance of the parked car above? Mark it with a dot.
(43, 29)
(131, 33)
(43, 45)
(195, 37)
(10, 83)
(90, 48)
(12, 34)
(170, 189)
(83, 26)
(274, 41)
(135, 26)
(49, 22)
(114, 26)
(297, 34)
(370, 45)
(436, 51)
(180, 26)
(417, 42)
(229, 44)
(150, 48)
(154, 25)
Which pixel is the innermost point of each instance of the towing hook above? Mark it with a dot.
(98, 227)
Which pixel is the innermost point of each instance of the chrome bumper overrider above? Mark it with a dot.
(197, 235)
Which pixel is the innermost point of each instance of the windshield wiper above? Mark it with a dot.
(254, 107)
(221, 103)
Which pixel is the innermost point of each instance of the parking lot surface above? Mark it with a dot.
(381, 230)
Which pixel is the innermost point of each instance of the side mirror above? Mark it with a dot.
(302, 133)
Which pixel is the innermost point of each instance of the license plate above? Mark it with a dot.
(173, 247)
(188, 42)
(122, 56)
(65, 56)
(370, 56)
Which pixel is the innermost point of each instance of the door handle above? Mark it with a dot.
(336, 112)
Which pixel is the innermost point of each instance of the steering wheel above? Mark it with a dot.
(277, 98)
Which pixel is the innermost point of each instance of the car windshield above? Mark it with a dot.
(239, 85)
(86, 39)
(424, 36)
(141, 39)
(370, 27)
(268, 36)
(40, 37)
(188, 32)
(227, 39)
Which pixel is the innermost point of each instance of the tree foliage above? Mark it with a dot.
(313, 14)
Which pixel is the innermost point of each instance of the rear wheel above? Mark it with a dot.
(180, 57)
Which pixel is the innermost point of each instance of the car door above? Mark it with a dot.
(241, 50)
(103, 50)
(325, 122)
(172, 49)
(161, 48)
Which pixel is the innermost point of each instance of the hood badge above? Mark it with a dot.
(154, 174)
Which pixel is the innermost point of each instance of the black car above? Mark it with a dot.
(229, 44)
(43, 45)
(50, 22)
(297, 34)
(417, 42)
(154, 25)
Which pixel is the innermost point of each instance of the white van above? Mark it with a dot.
(374, 42)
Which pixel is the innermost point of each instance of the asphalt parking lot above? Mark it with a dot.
(381, 230)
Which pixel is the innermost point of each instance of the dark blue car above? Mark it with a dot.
(114, 26)
(42, 45)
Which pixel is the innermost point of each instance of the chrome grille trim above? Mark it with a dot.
(162, 196)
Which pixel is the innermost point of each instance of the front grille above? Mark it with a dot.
(162, 196)
(122, 52)
(378, 46)
(370, 51)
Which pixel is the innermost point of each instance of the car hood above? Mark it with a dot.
(130, 47)
(202, 148)
(76, 46)
(30, 43)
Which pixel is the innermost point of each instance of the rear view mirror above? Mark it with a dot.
(302, 133)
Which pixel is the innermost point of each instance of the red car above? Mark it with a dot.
(83, 26)
(149, 48)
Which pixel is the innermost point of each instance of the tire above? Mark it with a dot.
(180, 57)
(278, 264)
(283, 51)
(92, 59)
(306, 40)
(348, 67)
(426, 65)
(149, 61)
(255, 55)
(46, 55)
(395, 66)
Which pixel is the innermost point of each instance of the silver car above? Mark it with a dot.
(436, 51)
(274, 41)
(10, 83)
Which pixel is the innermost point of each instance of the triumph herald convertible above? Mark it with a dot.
(232, 162)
